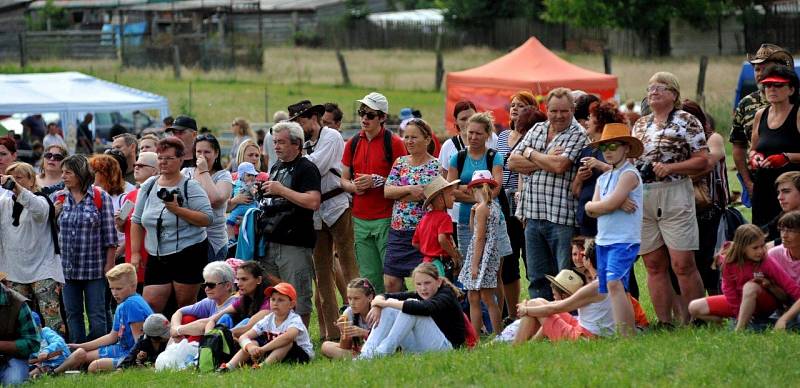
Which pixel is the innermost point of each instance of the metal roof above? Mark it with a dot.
(236, 5)
(86, 3)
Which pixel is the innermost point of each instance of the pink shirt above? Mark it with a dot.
(735, 276)
(781, 256)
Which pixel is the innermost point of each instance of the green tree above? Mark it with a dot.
(482, 13)
(648, 18)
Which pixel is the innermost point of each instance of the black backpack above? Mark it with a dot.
(216, 346)
(387, 149)
(490, 154)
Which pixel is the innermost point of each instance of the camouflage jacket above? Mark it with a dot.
(742, 126)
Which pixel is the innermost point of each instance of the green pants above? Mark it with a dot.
(370, 236)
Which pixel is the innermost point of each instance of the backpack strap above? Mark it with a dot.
(461, 157)
(353, 147)
(457, 142)
(51, 219)
(387, 146)
(490, 154)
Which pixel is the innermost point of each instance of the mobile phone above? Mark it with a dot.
(125, 210)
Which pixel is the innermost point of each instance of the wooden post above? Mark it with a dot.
(439, 63)
(176, 61)
(260, 39)
(607, 60)
(190, 99)
(23, 54)
(343, 67)
(121, 16)
(266, 104)
(701, 80)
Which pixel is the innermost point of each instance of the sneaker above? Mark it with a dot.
(223, 368)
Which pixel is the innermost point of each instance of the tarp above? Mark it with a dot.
(528, 67)
(71, 94)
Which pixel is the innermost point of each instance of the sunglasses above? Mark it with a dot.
(368, 115)
(52, 156)
(206, 137)
(609, 147)
(176, 131)
(776, 85)
(212, 285)
(139, 165)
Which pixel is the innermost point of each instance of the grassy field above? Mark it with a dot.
(712, 356)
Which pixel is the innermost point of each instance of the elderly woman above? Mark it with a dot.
(50, 174)
(174, 211)
(674, 148)
(88, 243)
(218, 184)
(33, 265)
(241, 132)
(219, 287)
(775, 139)
(145, 167)
(251, 305)
(405, 183)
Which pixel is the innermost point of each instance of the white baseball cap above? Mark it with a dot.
(376, 101)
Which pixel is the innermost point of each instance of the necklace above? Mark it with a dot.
(475, 163)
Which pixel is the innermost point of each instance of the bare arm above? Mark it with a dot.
(461, 193)
(252, 322)
(627, 183)
(218, 193)
(584, 296)
(716, 152)
(557, 164)
(518, 163)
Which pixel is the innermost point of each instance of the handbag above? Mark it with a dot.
(702, 193)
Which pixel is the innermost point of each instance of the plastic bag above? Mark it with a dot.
(177, 356)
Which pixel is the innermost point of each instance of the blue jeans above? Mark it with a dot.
(549, 249)
(92, 293)
(14, 372)
(414, 333)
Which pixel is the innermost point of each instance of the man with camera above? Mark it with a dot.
(548, 153)
(288, 202)
(19, 338)
(333, 221)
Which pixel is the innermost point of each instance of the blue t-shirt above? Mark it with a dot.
(133, 309)
(470, 166)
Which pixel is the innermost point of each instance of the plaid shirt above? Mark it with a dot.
(546, 195)
(26, 337)
(86, 234)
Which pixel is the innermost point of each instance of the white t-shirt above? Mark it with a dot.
(266, 326)
(446, 152)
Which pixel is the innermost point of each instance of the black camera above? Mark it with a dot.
(647, 173)
(169, 195)
(9, 184)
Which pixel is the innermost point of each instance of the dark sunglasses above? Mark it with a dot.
(212, 285)
(368, 115)
(52, 156)
(609, 147)
(175, 131)
(776, 85)
(139, 165)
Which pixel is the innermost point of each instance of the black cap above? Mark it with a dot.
(305, 107)
(183, 123)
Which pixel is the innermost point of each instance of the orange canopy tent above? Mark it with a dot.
(529, 67)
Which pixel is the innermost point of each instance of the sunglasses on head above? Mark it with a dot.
(368, 115)
(206, 137)
(212, 285)
(609, 147)
(52, 156)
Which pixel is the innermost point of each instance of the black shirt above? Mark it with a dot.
(297, 229)
(442, 307)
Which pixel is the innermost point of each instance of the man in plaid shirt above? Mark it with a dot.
(19, 338)
(548, 154)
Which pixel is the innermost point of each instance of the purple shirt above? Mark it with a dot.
(237, 304)
(205, 308)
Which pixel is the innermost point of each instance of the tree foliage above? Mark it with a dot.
(482, 13)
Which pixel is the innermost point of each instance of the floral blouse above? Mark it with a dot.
(406, 215)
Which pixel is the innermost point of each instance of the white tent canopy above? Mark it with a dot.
(71, 94)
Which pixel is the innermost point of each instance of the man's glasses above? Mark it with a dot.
(167, 158)
(212, 285)
(368, 115)
(658, 89)
(52, 156)
(609, 147)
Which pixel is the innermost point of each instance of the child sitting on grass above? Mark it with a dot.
(353, 322)
(53, 351)
(151, 344)
(752, 282)
(106, 352)
(544, 319)
(479, 273)
(617, 205)
(434, 234)
(281, 336)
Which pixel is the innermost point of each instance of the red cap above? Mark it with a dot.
(283, 289)
(775, 79)
(262, 177)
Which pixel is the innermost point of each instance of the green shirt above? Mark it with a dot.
(27, 337)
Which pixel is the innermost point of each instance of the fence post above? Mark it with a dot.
(121, 16)
(701, 80)
(439, 63)
(176, 61)
(190, 99)
(607, 60)
(23, 54)
(343, 67)
(266, 104)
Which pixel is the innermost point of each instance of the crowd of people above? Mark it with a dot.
(105, 255)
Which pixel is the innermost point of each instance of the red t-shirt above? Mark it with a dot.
(370, 158)
(140, 273)
(434, 223)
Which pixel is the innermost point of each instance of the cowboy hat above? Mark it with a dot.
(436, 186)
(567, 281)
(620, 132)
(305, 107)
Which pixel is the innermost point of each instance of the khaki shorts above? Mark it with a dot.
(669, 217)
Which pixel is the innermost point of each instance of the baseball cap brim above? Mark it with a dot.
(775, 79)
(178, 127)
